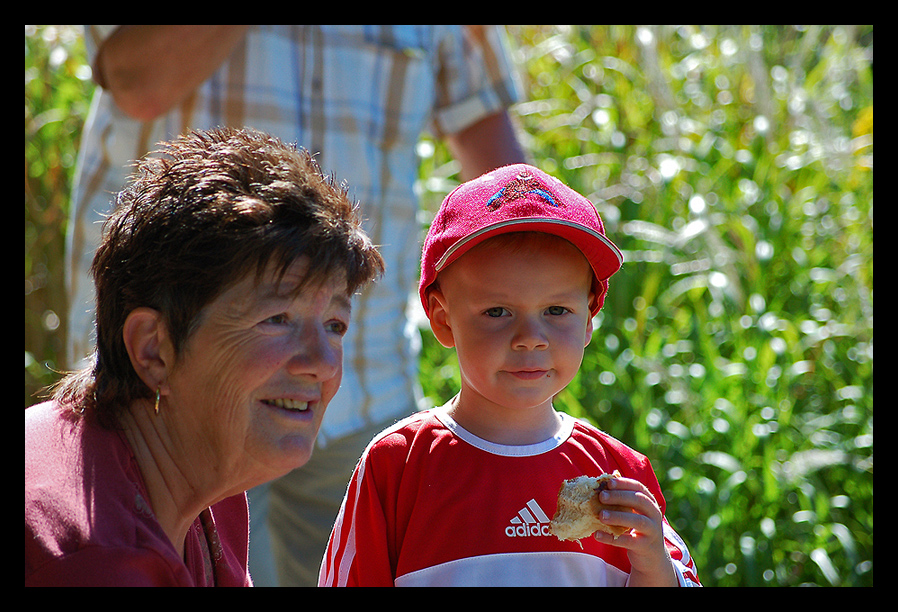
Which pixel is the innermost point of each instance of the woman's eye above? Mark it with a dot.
(278, 319)
(338, 327)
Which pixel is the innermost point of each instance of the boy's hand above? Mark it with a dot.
(649, 562)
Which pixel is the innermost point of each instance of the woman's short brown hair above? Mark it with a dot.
(198, 215)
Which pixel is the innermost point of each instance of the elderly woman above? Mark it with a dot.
(223, 292)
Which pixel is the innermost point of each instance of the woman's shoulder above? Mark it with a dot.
(53, 444)
(83, 490)
(44, 418)
(63, 446)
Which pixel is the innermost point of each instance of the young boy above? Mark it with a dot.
(514, 267)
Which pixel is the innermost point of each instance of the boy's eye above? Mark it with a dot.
(556, 310)
(496, 311)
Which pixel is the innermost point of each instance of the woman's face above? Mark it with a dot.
(250, 389)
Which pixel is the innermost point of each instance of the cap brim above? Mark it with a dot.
(603, 256)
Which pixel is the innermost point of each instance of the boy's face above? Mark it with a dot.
(519, 320)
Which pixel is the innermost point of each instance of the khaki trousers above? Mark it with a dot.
(291, 518)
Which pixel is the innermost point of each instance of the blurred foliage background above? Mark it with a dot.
(58, 87)
(734, 167)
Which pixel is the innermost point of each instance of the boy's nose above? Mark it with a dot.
(530, 335)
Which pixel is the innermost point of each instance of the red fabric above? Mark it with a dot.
(424, 500)
(88, 522)
(517, 198)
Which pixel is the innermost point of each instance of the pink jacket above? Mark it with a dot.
(88, 521)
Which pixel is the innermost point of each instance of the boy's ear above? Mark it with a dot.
(439, 319)
(146, 339)
(589, 327)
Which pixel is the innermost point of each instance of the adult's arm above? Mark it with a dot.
(148, 69)
(486, 145)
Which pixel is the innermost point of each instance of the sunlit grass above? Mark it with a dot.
(734, 167)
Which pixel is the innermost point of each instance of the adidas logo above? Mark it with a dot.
(528, 522)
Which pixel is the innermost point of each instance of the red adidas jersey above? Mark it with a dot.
(430, 504)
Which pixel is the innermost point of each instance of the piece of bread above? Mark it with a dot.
(577, 515)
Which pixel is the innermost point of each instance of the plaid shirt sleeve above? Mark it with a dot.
(476, 78)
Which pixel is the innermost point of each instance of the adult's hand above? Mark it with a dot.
(149, 69)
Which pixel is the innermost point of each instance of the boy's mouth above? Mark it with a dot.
(529, 374)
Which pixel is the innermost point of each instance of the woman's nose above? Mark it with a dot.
(316, 354)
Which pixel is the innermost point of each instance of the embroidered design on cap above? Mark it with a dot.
(520, 186)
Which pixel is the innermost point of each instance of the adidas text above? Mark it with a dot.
(530, 521)
(524, 531)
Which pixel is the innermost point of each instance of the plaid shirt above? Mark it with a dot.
(359, 96)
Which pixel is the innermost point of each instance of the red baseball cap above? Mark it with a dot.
(517, 198)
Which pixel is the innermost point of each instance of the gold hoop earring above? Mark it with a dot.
(156, 409)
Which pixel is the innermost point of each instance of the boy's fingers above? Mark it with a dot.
(643, 502)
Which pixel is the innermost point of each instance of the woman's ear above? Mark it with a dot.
(439, 318)
(146, 339)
